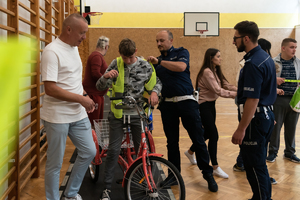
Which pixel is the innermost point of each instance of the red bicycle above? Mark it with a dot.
(146, 174)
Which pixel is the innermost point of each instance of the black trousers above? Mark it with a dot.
(254, 152)
(188, 112)
(208, 116)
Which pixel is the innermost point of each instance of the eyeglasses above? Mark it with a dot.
(234, 38)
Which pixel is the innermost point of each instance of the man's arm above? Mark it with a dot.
(175, 66)
(106, 80)
(248, 113)
(53, 90)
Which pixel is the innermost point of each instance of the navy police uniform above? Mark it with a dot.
(178, 102)
(257, 80)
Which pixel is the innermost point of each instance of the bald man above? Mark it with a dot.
(173, 69)
(65, 107)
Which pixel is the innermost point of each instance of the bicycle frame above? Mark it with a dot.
(143, 154)
(126, 161)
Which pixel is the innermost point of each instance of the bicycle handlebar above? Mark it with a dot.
(132, 101)
(116, 98)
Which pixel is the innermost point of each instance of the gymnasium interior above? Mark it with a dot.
(27, 26)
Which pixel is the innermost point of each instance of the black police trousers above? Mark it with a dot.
(254, 152)
(188, 111)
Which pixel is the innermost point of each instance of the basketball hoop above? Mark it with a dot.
(201, 33)
(94, 17)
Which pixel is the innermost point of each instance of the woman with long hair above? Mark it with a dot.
(212, 84)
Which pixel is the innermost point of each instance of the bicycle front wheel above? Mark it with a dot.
(167, 181)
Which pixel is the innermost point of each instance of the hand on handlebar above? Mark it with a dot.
(153, 99)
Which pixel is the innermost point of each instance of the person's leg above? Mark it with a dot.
(254, 150)
(56, 138)
(279, 112)
(191, 121)
(115, 140)
(81, 135)
(239, 160)
(192, 149)
(208, 117)
(97, 113)
(170, 120)
(290, 124)
(135, 127)
(101, 106)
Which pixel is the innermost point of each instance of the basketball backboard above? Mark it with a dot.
(196, 22)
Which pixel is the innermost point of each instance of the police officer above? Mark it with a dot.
(172, 68)
(256, 95)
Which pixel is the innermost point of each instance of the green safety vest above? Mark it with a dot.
(118, 87)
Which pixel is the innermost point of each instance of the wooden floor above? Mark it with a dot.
(236, 187)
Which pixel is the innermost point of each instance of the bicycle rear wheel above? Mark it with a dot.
(168, 183)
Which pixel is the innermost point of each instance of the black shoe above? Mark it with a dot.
(169, 181)
(292, 158)
(271, 158)
(237, 168)
(212, 185)
(273, 181)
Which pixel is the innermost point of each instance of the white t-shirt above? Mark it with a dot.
(61, 63)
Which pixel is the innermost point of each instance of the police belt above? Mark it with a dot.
(180, 98)
(258, 109)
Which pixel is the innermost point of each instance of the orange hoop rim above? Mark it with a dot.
(202, 31)
(95, 13)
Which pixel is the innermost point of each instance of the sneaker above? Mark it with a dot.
(191, 157)
(220, 173)
(238, 169)
(273, 181)
(292, 158)
(271, 158)
(77, 197)
(105, 195)
(212, 185)
(169, 181)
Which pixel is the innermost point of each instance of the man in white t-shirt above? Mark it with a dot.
(64, 108)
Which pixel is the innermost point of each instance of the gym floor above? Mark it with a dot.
(236, 187)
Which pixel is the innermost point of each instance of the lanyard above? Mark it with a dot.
(292, 81)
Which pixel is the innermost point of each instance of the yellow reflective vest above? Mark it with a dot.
(118, 87)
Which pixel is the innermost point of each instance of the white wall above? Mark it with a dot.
(179, 6)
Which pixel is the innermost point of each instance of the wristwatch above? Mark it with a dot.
(159, 61)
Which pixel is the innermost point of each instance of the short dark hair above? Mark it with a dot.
(170, 34)
(287, 40)
(127, 47)
(248, 28)
(265, 45)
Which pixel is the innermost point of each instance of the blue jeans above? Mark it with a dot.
(81, 135)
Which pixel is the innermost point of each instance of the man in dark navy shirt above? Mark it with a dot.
(289, 68)
(172, 68)
(256, 95)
